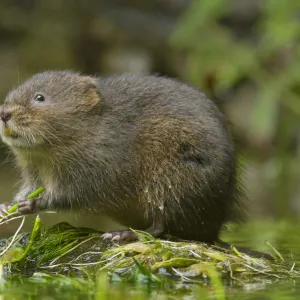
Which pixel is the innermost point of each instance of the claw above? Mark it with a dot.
(116, 238)
(107, 236)
(4, 210)
(120, 236)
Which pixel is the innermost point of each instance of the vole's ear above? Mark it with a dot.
(92, 95)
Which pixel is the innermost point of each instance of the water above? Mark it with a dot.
(283, 235)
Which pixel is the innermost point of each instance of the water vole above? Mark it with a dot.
(152, 153)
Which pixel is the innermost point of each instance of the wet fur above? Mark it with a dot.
(133, 147)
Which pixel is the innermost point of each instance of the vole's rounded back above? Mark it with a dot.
(152, 153)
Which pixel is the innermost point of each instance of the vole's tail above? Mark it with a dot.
(245, 250)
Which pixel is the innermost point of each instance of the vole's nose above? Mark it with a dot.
(5, 115)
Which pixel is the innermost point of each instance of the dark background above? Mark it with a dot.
(244, 54)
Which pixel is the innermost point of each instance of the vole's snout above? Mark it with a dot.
(5, 115)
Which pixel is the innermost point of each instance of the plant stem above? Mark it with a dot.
(30, 196)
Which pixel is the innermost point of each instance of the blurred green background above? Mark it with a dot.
(244, 54)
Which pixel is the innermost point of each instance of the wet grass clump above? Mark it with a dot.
(78, 259)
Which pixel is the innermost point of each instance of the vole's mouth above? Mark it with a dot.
(15, 138)
(9, 133)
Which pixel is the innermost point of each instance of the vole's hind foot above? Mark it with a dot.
(130, 236)
(27, 206)
(120, 236)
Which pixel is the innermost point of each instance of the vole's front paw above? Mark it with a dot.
(4, 210)
(120, 236)
(27, 206)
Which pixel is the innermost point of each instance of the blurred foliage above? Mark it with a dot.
(261, 66)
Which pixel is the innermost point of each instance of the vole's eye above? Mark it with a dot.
(39, 98)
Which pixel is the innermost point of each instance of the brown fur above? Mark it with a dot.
(140, 149)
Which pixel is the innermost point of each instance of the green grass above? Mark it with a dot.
(77, 259)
